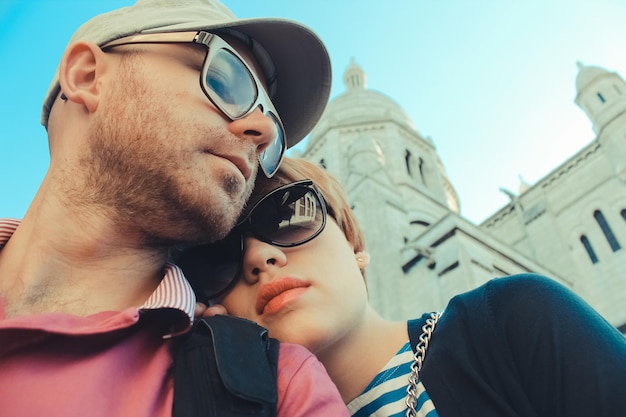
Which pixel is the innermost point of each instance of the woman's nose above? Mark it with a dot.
(260, 257)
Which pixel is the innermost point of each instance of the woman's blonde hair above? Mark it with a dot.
(296, 169)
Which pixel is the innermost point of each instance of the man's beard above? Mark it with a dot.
(133, 175)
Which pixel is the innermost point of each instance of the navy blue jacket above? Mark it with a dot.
(524, 346)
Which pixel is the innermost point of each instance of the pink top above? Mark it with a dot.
(119, 363)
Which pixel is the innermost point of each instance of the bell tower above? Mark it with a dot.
(394, 178)
(601, 94)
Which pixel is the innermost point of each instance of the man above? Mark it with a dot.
(158, 118)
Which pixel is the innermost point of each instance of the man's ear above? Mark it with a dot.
(82, 65)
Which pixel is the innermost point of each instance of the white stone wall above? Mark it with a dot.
(423, 252)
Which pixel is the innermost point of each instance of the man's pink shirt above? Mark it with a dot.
(120, 364)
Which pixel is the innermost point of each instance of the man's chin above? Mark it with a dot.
(220, 216)
(219, 226)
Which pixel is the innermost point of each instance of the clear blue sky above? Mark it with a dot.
(491, 82)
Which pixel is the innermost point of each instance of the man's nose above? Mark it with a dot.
(257, 127)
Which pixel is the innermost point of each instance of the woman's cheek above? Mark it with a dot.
(239, 302)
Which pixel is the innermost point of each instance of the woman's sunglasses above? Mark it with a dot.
(288, 216)
(228, 82)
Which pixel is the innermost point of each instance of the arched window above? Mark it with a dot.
(608, 233)
(421, 167)
(417, 227)
(407, 161)
(589, 249)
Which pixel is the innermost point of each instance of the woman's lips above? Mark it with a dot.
(273, 296)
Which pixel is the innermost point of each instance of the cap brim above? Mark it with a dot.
(303, 73)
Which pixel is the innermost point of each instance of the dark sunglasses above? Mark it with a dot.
(229, 83)
(288, 216)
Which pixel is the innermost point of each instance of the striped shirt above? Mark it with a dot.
(385, 396)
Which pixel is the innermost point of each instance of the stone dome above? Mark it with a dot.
(586, 74)
(358, 105)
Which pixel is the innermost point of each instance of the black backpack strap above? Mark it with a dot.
(226, 366)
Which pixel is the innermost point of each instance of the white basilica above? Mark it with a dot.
(570, 225)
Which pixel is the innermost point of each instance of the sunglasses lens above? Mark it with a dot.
(234, 91)
(233, 85)
(213, 268)
(289, 217)
(270, 158)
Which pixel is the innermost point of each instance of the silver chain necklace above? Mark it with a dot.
(418, 359)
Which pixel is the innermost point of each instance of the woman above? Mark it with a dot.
(516, 346)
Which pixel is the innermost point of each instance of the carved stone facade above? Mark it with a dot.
(570, 225)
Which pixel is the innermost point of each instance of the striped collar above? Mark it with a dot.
(173, 292)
